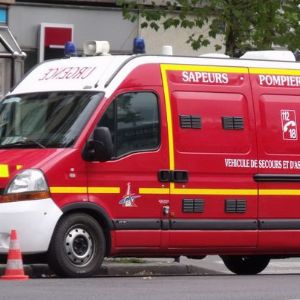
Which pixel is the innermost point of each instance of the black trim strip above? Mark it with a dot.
(214, 224)
(137, 224)
(276, 177)
(279, 224)
(165, 224)
(206, 224)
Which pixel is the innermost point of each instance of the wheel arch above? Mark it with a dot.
(95, 211)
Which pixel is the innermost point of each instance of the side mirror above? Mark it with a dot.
(103, 145)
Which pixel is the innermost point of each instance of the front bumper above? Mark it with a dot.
(34, 222)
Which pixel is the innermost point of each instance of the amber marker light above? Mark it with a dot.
(24, 196)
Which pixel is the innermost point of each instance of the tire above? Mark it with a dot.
(77, 247)
(246, 265)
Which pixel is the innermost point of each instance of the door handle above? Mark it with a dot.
(181, 176)
(164, 176)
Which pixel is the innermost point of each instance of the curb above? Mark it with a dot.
(161, 269)
(111, 269)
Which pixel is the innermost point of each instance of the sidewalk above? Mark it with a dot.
(140, 267)
(154, 267)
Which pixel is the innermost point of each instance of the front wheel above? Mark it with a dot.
(246, 265)
(77, 247)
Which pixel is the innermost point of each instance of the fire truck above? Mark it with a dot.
(152, 156)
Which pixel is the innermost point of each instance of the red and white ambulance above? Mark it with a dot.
(105, 156)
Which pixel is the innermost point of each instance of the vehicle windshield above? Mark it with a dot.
(46, 119)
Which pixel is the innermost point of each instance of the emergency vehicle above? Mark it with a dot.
(107, 156)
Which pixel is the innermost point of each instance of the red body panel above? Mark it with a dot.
(203, 153)
(228, 144)
(134, 172)
(218, 161)
(277, 155)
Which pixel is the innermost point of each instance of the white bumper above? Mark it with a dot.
(34, 222)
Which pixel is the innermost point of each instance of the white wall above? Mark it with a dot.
(98, 24)
(89, 24)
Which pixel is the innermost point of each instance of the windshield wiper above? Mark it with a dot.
(23, 143)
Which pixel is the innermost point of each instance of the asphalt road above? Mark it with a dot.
(276, 266)
(280, 281)
(223, 287)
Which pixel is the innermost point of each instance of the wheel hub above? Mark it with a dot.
(79, 246)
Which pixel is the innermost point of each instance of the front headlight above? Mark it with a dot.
(29, 184)
(31, 180)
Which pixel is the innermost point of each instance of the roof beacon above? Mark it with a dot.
(93, 48)
(215, 55)
(139, 45)
(280, 55)
(70, 49)
(167, 50)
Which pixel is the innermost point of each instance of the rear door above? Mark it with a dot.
(277, 107)
(213, 157)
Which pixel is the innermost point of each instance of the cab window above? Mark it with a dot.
(133, 120)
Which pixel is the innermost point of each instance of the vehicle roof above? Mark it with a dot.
(103, 73)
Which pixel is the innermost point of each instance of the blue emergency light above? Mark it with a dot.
(70, 49)
(138, 45)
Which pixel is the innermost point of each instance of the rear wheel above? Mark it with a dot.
(246, 265)
(77, 247)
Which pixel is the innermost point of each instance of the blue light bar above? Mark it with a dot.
(70, 49)
(138, 45)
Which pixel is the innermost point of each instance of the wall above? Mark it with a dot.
(89, 24)
(177, 37)
(95, 23)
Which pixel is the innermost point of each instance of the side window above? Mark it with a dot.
(133, 120)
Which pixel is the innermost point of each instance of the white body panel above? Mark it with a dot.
(105, 73)
(34, 222)
(73, 74)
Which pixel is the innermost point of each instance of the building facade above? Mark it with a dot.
(42, 28)
(11, 55)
